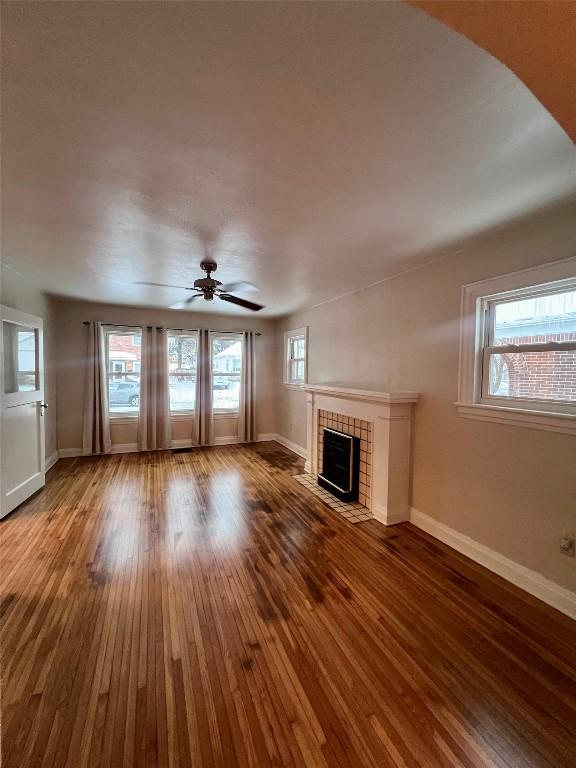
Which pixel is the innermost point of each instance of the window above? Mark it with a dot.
(295, 362)
(518, 349)
(226, 370)
(20, 358)
(530, 348)
(182, 365)
(123, 360)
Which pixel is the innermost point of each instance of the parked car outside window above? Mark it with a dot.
(221, 382)
(124, 393)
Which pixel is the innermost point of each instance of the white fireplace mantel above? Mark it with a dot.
(367, 395)
(390, 414)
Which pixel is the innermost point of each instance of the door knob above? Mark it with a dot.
(43, 406)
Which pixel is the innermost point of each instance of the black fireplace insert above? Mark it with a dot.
(340, 465)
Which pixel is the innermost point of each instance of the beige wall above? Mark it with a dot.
(71, 350)
(21, 294)
(509, 488)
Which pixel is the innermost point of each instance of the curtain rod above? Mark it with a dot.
(123, 325)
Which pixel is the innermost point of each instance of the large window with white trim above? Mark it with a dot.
(529, 350)
(226, 372)
(123, 360)
(518, 348)
(182, 366)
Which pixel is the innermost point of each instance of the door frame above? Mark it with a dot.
(7, 400)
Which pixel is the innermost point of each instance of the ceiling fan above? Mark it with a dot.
(209, 288)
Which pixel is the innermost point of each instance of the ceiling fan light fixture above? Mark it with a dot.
(210, 288)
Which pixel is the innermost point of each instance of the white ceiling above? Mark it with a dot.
(311, 148)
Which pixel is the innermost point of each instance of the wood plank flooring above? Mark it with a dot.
(203, 610)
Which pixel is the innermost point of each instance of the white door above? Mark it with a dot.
(22, 407)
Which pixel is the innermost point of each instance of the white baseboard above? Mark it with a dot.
(51, 460)
(389, 518)
(71, 453)
(182, 443)
(125, 448)
(228, 440)
(294, 447)
(266, 437)
(532, 582)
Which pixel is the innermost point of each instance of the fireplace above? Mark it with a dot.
(340, 465)
(337, 422)
(381, 421)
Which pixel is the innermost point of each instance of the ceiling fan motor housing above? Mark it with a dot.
(207, 284)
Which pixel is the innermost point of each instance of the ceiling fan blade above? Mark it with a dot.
(160, 285)
(242, 285)
(186, 303)
(240, 302)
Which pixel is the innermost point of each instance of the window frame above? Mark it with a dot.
(224, 412)
(289, 337)
(117, 330)
(489, 349)
(183, 412)
(477, 321)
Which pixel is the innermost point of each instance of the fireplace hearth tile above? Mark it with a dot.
(353, 513)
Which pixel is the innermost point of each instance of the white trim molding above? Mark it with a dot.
(69, 453)
(299, 450)
(530, 581)
(470, 404)
(387, 518)
(51, 460)
(226, 440)
(266, 437)
(550, 422)
(366, 395)
(73, 453)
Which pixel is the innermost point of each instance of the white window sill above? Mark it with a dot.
(292, 385)
(520, 417)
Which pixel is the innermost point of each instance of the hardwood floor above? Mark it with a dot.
(199, 609)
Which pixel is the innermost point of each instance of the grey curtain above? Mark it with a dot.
(203, 421)
(154, 428)
(96, 432)
(247, 420)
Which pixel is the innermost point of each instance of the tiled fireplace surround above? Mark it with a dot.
(356, 428)
(382, 420)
